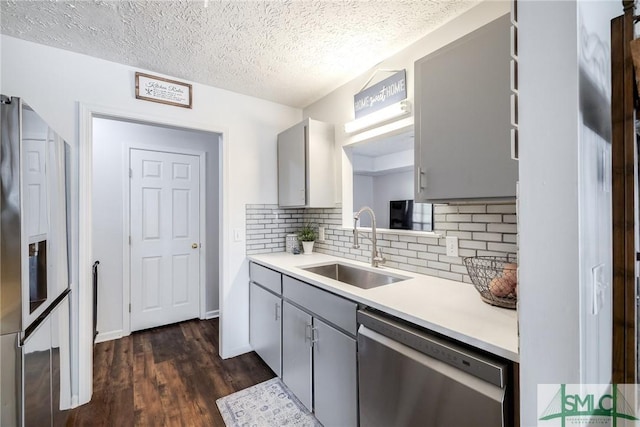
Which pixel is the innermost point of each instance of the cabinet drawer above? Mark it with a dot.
(266, 278)
(337, 310)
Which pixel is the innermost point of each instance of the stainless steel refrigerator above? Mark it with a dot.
(35, 379)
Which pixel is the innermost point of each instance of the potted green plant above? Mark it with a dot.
(307, 235)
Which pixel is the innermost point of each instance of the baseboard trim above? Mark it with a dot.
(109, 336)
(212, 314)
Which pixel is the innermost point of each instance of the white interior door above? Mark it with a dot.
(165, 242)
(35, 155)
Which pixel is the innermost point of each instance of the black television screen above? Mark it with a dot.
(407, 215)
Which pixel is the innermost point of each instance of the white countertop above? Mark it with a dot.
(445, 306)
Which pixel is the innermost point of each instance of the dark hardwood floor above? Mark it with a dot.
(169, 376)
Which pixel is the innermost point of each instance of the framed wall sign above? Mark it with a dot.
(164, 91)
(389, 91)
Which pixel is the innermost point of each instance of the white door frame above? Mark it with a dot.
(126, 229)
(84, 369)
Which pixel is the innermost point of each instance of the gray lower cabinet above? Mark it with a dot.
(296, 352)
(335, 376)
(319, 360)
(265, 322)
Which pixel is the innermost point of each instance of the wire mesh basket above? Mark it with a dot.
(495, 278)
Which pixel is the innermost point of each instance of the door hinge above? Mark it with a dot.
(129, 307)
(130, 173)
(129, 240)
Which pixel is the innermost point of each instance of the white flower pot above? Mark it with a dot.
(308, 247)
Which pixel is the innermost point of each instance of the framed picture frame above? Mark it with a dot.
(165, 91)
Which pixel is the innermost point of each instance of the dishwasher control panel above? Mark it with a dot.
(464, 359)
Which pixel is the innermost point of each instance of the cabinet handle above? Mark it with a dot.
(277, 311)
(314, 336)
(514, 144)
(308, 332)
(421, 175)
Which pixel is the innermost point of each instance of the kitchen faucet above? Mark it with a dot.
(376, 254)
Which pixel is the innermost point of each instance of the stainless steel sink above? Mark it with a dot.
(351, 275)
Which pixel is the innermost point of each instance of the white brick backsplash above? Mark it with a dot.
(491, 253)
(437, 249)
(510, 238)
(450, 259)
(408, 254)
(472, 209)
(472, 244)
(487, 218)
(438, 265)
(482, 229)
(460, 234)
(458, 269)
(428, 255)
(450, 276)
(416, 261)
(473, 226)
(502, 247)
(390, 237)
(488, 237)
(512, 219)
(417, 247)
(428, 240)
(466, 252)
(502, 228)
(399, 245)
(446, 226)
(507, 209)
(458, 218)
(444, 209)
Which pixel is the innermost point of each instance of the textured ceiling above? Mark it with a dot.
(291, 52)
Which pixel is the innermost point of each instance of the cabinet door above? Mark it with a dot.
(296, 352)
(334, 376)
(292, 172)
(462, 119)
(265, 320)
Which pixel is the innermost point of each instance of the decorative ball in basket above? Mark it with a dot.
(495, 278)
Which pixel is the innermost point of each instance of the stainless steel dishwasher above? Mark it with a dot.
(408, 377)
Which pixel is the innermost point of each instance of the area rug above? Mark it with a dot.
(266, 404)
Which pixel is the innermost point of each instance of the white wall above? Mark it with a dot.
(392, 186)
(564, 216)
(54, 82)
(109, 142)
(363, 196)
(376, 191)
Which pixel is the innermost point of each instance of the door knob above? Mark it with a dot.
(194, 246)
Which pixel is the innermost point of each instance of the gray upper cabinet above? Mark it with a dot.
(306, 172)
(463, 119)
